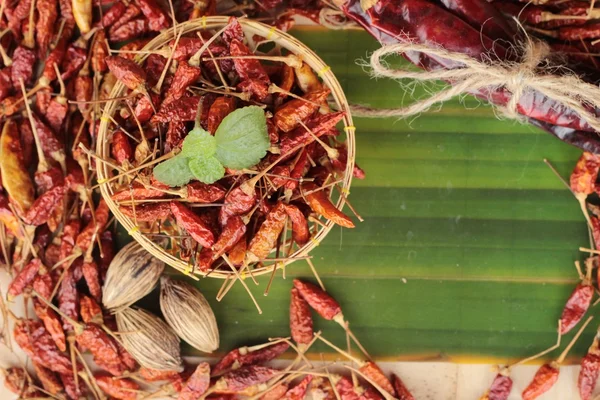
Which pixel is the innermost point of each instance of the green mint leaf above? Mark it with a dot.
(242, 138)
(199, 143)
(174, 171)
(206, 169)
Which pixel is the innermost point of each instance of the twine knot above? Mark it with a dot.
(473, 76)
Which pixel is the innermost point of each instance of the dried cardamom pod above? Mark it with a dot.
(131, 275)
(186, 310)
(149, 340)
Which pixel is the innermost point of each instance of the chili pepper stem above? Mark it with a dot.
(383, 392)
(60, 279)
(274, 270)
(339, 319)
(540, 354)
(129, 96)
(42, 162)
(273, 88)
(216, 64)
(314, 271)
(242, 96)
(163, 74)
(237, 275)
(565, 352)
(194, 61)
(331, 152)
(5, 58)
(342, 352)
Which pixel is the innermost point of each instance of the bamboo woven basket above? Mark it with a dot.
(105, 171)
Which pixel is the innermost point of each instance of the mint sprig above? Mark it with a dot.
(241, 141)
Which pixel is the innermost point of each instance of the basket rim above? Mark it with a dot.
(285, 41)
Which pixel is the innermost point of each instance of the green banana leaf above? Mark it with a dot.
(468, 243)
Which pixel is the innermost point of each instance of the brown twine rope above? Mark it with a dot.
(475, 75)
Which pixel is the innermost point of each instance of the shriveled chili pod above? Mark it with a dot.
(590, 370)
(122, 388)
(373, 372)
(578, 303)
(265, 238)
(157, 18)
(237, 202)
(103, 349)
(254, 78)
(301, 322)
(221, 107)
(128, 72)
(547, 375)
(402, 392)
(52, 324)
(298, 392)
(319, 202)
(300, 230)
(184, 76)
(129, 30)
(249, 356)
(237, 380)
(183, 109)
(318, 126)
(325, 305)
(110, 16)
(50, 382)
(17, 381)
(90, 310)
(289, 115)
(43, 206)
(47, 15)
(197, 384)
(121, 149)
(24, 278)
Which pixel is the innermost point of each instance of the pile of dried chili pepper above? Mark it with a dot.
(242, 372)
(185, 160)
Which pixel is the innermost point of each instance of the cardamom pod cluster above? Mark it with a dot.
(131, 275)
(149, 340)
(186, 310)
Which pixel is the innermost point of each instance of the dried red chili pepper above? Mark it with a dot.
(91, 274)
(122, 388)
(113, 14)
(300, 231)
(578, 303)
(73, 60)
(17, 381)
(68, 297)
(345, 389)
(144, 108)
(23, 59)
(24, 278)
(221, 108)
(298, 392)
(319, 300)
(238, 253)
(43, 349)
(157, 18)
(301, 323)
(372, 371)
(72, 389)
(197, 384)
(590, 370)
(103, 348)
(139, 192)
(50, 144)
(234, 230)
(293, 112)
(319, 125)
(402, 392)
(43, 283)
(264, 240)
(183, 109)
(42, 208)
(10, 221)
(182, 79)
(153, 375)
(544, 379)
(121, 149)
(49, 380)
(129, 30)
(320, 203)
(55, 56)
(175, 135)
(254, 78)
(5, 82)
(47, 15)
(276, 392)
(237, 202)
(147, 212)
(240, 379)
(193, 224)
(127, 71)
(84, 239)
(249, 356)
(199, 192)
(51, 323)
(90, 310)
